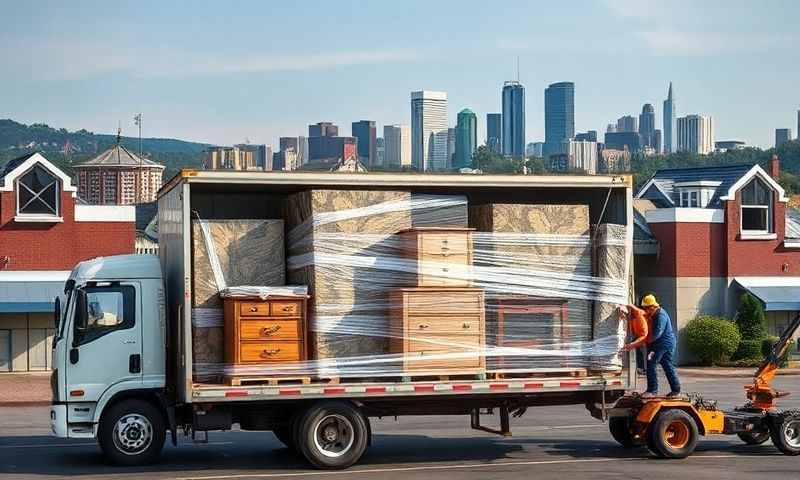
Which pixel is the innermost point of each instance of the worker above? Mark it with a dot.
(638, 330)
(661, 343)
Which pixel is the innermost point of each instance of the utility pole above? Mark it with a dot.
(137, 119)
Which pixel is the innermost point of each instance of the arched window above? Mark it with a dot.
(756, 207)
(38, 193)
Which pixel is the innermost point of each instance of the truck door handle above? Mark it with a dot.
(135, 363)
(74, 356)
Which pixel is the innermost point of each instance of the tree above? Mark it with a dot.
(750, 318)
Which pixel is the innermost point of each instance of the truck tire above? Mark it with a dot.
(620, 428)
(132, 432)
(285, 435)
(332, 435)
(673, 434)
(784, 429)
(754, 438)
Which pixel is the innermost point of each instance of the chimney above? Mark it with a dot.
(774, 167)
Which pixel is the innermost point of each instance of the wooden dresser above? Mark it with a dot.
(265, 331)
(436, 321)
(443, 255)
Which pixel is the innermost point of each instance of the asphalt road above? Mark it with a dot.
(549, 442)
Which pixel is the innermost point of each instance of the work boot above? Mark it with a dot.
(647, 395)
(674, 395)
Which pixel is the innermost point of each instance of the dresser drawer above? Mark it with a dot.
(445, 343)
(456, 325)
(269, 351)
(270, 329)
(285, 309)
(444, 302)
(254, 309)
(444, 243)
(419, 361)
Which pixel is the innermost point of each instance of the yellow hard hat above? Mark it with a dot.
(649, 301)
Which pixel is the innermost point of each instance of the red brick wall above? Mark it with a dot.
(690, 249)
(58, 246)
(759, 257)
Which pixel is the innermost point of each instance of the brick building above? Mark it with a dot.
(707, 235)
(44, 231)
(118, 177)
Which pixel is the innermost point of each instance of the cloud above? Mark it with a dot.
(60, 59)
(684, 43)
(641, 9)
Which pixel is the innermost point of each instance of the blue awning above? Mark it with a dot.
(30, 291)
(776, 293)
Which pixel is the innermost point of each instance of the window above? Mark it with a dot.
(756, 207)
(37, 193)
(690, 198)
(102, 310)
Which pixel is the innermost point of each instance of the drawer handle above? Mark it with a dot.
(465, 325)
(423, 326)
(269, 353)
(253, 309)
(288, 308)
(267, 331)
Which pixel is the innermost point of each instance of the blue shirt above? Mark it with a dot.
(662, 336)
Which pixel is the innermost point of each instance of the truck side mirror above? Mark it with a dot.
(57, 313)
(80, 316)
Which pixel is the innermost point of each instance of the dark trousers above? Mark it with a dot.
(665, 357)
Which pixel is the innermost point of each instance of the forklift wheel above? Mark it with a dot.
(784, 429)
(673, 434)
(620, 428)
(754, 438)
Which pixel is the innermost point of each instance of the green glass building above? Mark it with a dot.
(466, 138)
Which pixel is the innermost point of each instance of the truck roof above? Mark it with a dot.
(117, 267)
(376, 180)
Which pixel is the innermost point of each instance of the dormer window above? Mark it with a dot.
(756, 208)
(696, 194)
(38, 193)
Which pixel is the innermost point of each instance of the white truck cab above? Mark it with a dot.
(108, 354)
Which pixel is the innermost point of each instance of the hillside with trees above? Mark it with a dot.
(66, 148)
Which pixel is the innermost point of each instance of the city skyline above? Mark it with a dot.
(172, 70)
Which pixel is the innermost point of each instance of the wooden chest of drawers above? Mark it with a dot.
(265, 331)
(438, 321)
(443, 255)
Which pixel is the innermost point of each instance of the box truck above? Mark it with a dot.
(307, 303)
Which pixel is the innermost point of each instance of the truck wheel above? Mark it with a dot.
(784, 428)
(132, 432)
(332, 435)
(754, 438)
(673, 434)
(620, 428)
(285, 436)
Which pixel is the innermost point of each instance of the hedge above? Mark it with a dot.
(712, 339)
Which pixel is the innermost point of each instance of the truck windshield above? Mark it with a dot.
(65, 306)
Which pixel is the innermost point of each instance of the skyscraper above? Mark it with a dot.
(323, 129)
(429, 130)
(397, 142)
(380, 151)
(466, 138)
(657, 141)
(695, 134)
(647, 125)
(451, 146)
(628, 123)
(494, 132)
(559, 116)
(366, 134)
(513, 118)
(669, 121)
(782, 135)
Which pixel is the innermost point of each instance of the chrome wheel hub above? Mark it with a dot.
(133, 434)
(791, 432)
(333, 436)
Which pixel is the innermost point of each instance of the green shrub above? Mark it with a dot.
(749, 350)
(750, 318)
(712, 339)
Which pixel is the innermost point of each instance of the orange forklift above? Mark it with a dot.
(671, 427)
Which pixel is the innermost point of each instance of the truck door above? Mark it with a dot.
(105, 343)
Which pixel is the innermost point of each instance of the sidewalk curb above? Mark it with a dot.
(723, 374)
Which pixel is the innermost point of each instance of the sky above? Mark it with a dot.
(229, 72)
